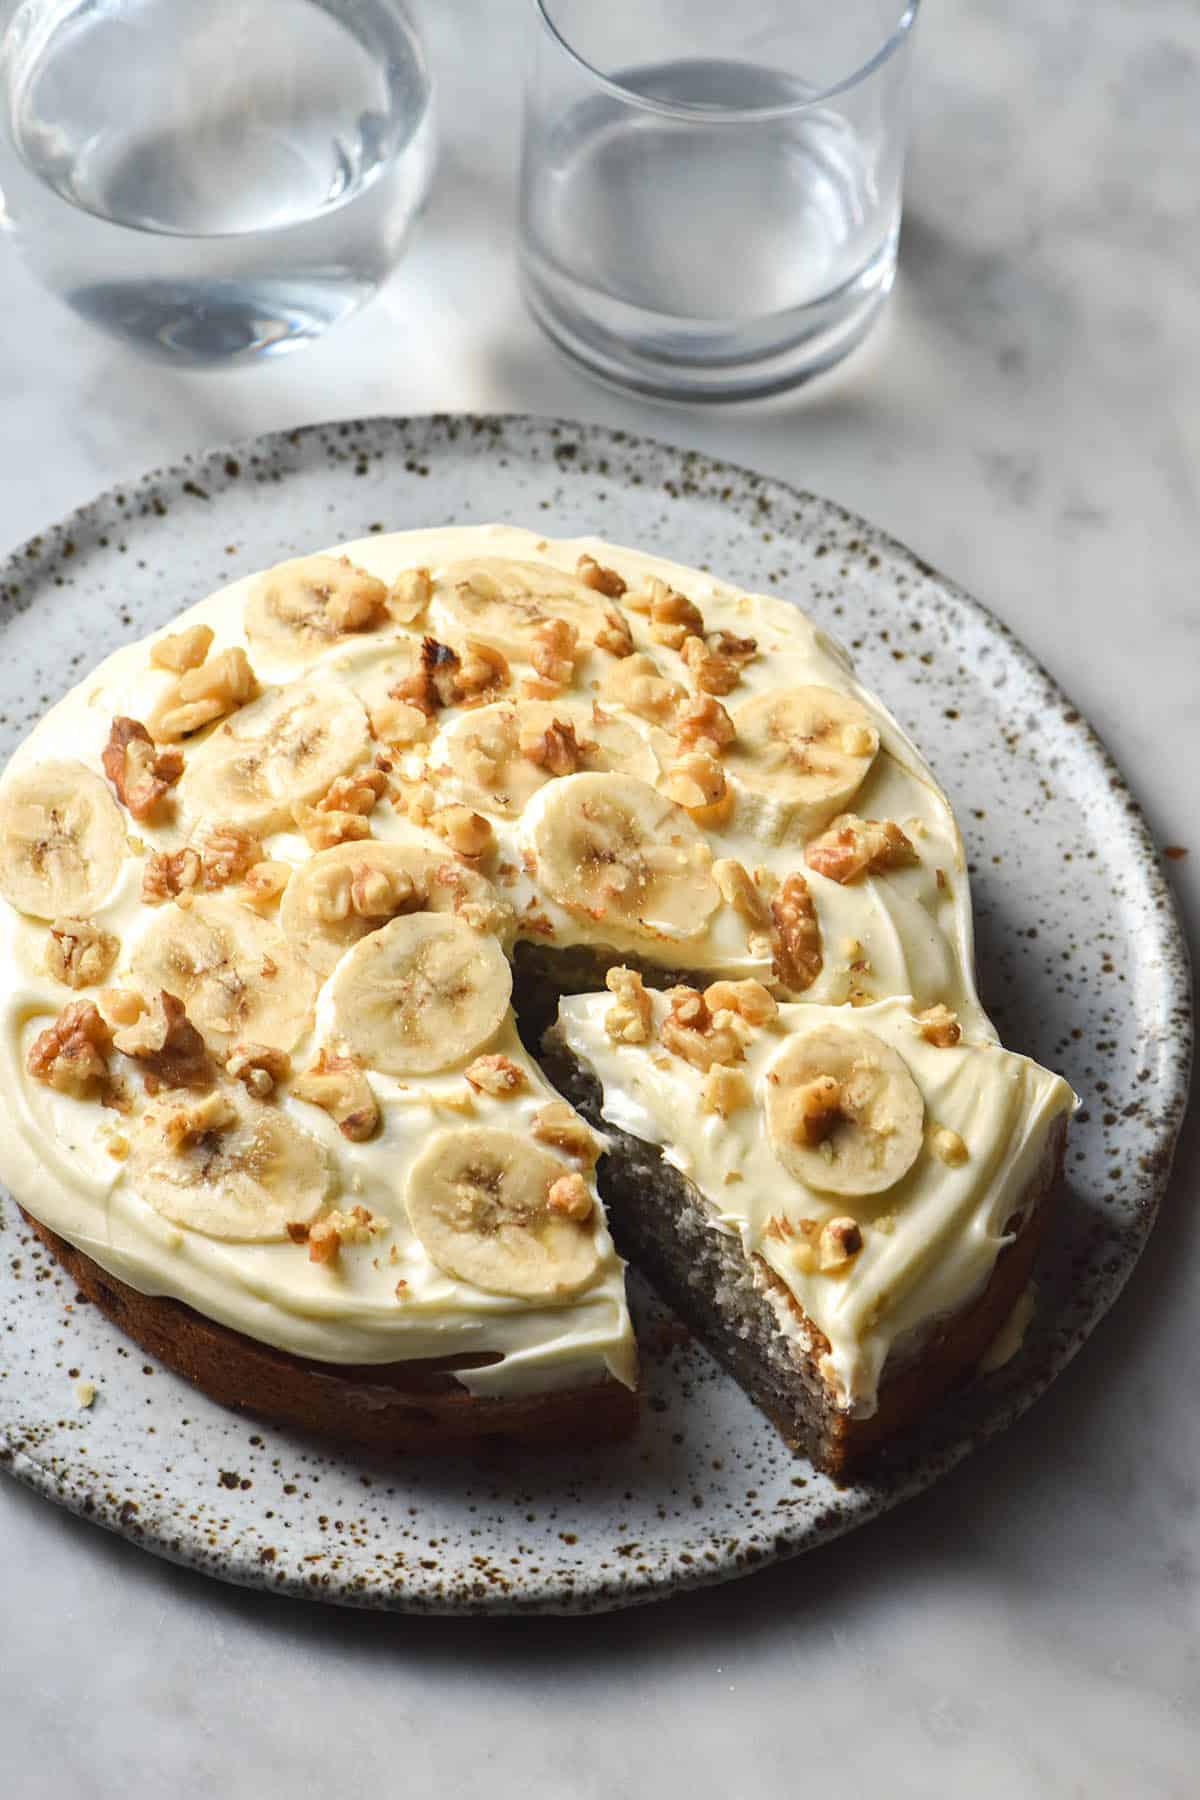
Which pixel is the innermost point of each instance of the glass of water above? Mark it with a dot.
(212, 179)
(710, 191)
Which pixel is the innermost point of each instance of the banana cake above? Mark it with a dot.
(280, 883)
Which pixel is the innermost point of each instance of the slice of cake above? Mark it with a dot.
(277, 886)
(844, 1203)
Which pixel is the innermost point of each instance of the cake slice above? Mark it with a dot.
(844, 1203)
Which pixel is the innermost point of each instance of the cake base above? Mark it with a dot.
(660, 1222)
(414, 1406)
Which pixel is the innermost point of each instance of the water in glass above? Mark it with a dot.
(213, 178)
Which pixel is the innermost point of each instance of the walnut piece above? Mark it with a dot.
(700, 1036)
(571, 1198)
(482, 674)
(703, 724)
(553, 654)
(71, 1055)
(80, 954)
(467, 833)
(356, 793)
(711, 672)
(631, 1019)
(182, 650)
(185, 1126)
(636, 683)
(264, 884)
(163, 1039)
(218, 687)
(724, 1091)
(672, 617)
(839, 1243)
(409, 595)
(595, 575)
(556, 749)
(560, 1125)
(227, 853)
(326, 1238)
(338, 1086)
(260, 1067)
(696, 781)
(476, 901)
(322, 830)
(614, 635)
(496, 1075)
(141, 773)
(852, 847)
(749, 999)
(798, 958)
(939, 1026)
(739, 891)
(399, 722)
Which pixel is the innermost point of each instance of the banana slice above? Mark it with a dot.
(288, 746)
(341, 895)
(501, 755)
(844, 1114)
(612, 848)
(235, 973)
(800, 756)
(421, 994)
(502, 602)
(62, 840)
(228, 1165)
(478, 1200)
(299, 608)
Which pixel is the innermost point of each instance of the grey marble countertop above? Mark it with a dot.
(1028, 419)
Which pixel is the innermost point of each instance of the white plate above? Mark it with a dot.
(1082, 965)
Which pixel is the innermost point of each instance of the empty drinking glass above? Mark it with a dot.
(212, 178)
(710, 193)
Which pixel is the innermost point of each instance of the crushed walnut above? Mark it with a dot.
(711, 672)
(631, 1019)
(338, 1229)
(432, 683)
(169, 873)
(701, 1037)
(839, 1243)
(475, 900)
(141, 773)
(468, 833)
(409, 595)
(798, 958)
(260, 1067)
(71, 1055)
(852, 847)
(672, 617)
(554, 646)
(636, 683)
(227, 853)
(357, 793)
(496, 1075)
(571, 1198)
(605, 581)
(338, 1086)
(739, 891)
(749, 999)
(78, 953)
(556, 749)
(201, 695)
(703, 724)
(180, 651)
(322, 830)
(165, 1042)
(696, 781)
(186, 1126)
(560, 1125)
(264, 884)
(939, 1026)
(614, 635)
(724, 1090)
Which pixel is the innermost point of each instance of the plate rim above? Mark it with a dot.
(21, 563)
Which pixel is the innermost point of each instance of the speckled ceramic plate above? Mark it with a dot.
(1082, 964)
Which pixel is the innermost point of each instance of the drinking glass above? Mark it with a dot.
(710, 192)
(212, 179)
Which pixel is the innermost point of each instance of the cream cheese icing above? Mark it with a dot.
(907, 934)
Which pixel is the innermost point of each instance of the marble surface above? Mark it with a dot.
(1027, 419)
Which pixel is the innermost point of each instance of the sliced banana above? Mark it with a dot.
(236, 974)
(423, 993)
(478, 1201)
(228, 1165)
(612, 848)
(62, 840)
(299, 608)
(288, 746)
(501, 755)
(502, 602)
(844, 1114)
(800, 757)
